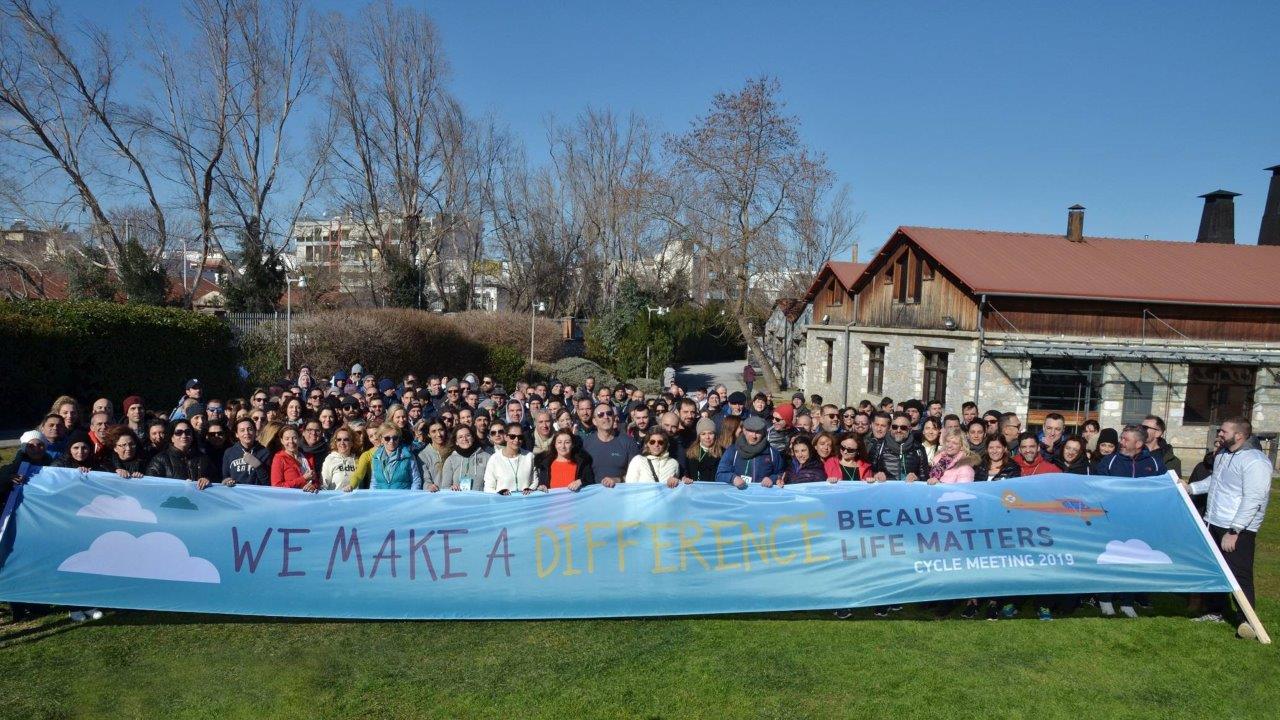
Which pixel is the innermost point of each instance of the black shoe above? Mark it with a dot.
(970, 612)
(993, 612)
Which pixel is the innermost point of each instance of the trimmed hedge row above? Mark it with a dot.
(101, 349)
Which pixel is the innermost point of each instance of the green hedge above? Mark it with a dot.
(93, 349)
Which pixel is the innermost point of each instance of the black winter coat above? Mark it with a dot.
(172, 464)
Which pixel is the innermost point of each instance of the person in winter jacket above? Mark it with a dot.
(780, 431)
(289, 467)
(954, 463)
(804, 467)
(899, 456)
(247, 462)
(433, 454)
(122, 450)
(79, 454)
(464, 468)
(1157, 445)
(702, 458)
(996, 462)
(182, 460)
(1030, 459)
(565, 464)
(852, 462)
(749, 459)
(654, 463)
(392, 465)
(1108, 441)
(340, 464)
(1132, 459)
(1073, 457)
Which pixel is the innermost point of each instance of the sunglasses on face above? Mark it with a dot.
(182, 433)
(777, 418)
(847, 415)
(846, 448)
(215, 434)
(900, 427)
(514, 436)
(390, 438)
(604, 415)
(495, 433)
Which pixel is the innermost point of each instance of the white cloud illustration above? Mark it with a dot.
(955, 496)
(124, 507)
(154, 556)
(1132, 552)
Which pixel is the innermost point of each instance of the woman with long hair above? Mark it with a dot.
(730, 429)
(703, 457)
(511, 467)
(122, 453)
(434, 452)
(464, 468)
(340, 464)
(930, 437)
(824, 448)
(1075, 458)
(851, 463)
(289, 467)
(654, 463)
(565, 464)
(996, 462)
(804, 466)
(294, 408)
(953, 463)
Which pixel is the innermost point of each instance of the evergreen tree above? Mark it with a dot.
(262, 283)
(144, 281)
(89, 277)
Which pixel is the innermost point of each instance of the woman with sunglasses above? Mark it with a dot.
(182, 460)
(314, 447)
(392, 466)
(851, 463)
(565, 464)
(339, 465)
(511, 467)
(122, 455)
(804, 466)
(464, 468)
(654, 464)
(289, 467)
(953, 463)
(216, 441)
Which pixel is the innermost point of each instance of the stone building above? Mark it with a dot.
(1103, 328)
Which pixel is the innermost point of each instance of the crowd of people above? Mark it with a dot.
(352, 431)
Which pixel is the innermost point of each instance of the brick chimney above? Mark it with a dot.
(1269, 233)
(1075, 223)
(1218, 221)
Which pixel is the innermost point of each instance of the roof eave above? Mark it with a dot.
(1142, 301)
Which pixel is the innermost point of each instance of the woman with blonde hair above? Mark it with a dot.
(340, 464)
(954, 462)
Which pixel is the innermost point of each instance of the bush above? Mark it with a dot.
(511, 330)
(573, 371)
(506, 364)
(94, 349)
(262, 350)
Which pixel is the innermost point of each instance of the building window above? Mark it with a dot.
(900, 277)
(935, 375)
(1137, 402)
(834, 295)
(907, 278)
(1217, 392)
(875, 369)
(829, 363)
(1072, 388)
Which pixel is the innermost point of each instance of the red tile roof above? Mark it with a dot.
(846, 272)
(1032, 264)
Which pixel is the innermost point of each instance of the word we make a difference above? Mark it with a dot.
(622, 546)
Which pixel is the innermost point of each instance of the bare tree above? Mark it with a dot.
(751, 170)
(824, 225)
(60, 108)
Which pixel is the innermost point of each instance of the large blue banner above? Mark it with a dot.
(98, 540)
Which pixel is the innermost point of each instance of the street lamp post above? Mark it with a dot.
(648, 345)
(288, 318)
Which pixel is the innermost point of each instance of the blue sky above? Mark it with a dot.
(975, 114)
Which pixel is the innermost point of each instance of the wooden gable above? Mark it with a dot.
(905, 287)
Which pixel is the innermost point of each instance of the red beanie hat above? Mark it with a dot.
(786, 412)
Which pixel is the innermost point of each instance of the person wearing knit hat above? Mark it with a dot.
(79, 454)
(779, 435)
(703, 455)
(1108, 441)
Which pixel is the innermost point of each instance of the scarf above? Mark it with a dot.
(749, 451)
(942, 464)
(475, 447)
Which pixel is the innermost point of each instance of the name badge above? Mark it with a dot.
(745, 478)
(464, 483)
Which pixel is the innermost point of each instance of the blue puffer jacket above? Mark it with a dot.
(1117, 464)
(732, 465)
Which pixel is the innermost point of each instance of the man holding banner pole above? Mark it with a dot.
(1238, 489)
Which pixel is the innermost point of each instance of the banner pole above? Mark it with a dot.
(1236, 592)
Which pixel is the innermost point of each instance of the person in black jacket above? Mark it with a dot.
(566, 447)
(1072, 456)
(122, 453)
(997, 463)
(703, 456)
(900, 456)
(79, 453)
(182, 460)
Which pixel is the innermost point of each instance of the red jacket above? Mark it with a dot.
(286, 471)
(1039, 467)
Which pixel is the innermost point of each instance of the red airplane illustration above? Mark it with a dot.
(1060, 506)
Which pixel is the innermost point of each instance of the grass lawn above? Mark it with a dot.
(794, 665)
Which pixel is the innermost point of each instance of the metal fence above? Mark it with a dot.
(243, 322)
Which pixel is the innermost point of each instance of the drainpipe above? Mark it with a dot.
(845, 393)
(982, 341)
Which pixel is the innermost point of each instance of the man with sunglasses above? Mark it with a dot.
(1238, 489)
(830, 418)
(610, 452)
(899, 456)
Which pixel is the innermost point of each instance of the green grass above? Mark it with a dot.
(796, 665)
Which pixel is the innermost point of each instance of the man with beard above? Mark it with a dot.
(899, 456)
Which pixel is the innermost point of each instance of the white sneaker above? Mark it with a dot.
(1128, 611)
(94, 614)
(1209, 618)
(77, 616)
(1106, 608)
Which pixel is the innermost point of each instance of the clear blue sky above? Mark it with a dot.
(976, 114)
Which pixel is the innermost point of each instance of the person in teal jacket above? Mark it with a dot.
(750, 456)
(394, 466)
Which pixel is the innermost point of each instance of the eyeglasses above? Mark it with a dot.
(604, 415)
(342, 440)
(846, 448)
(777, 418)
(220, 434)
(514, 436)
(390, 438)
(900, 427)
(656, 442)
(495, 433)
(830, 415)
(182, 433)
(1151, 427)
(847, 415)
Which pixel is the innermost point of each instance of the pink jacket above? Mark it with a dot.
(960, 472)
